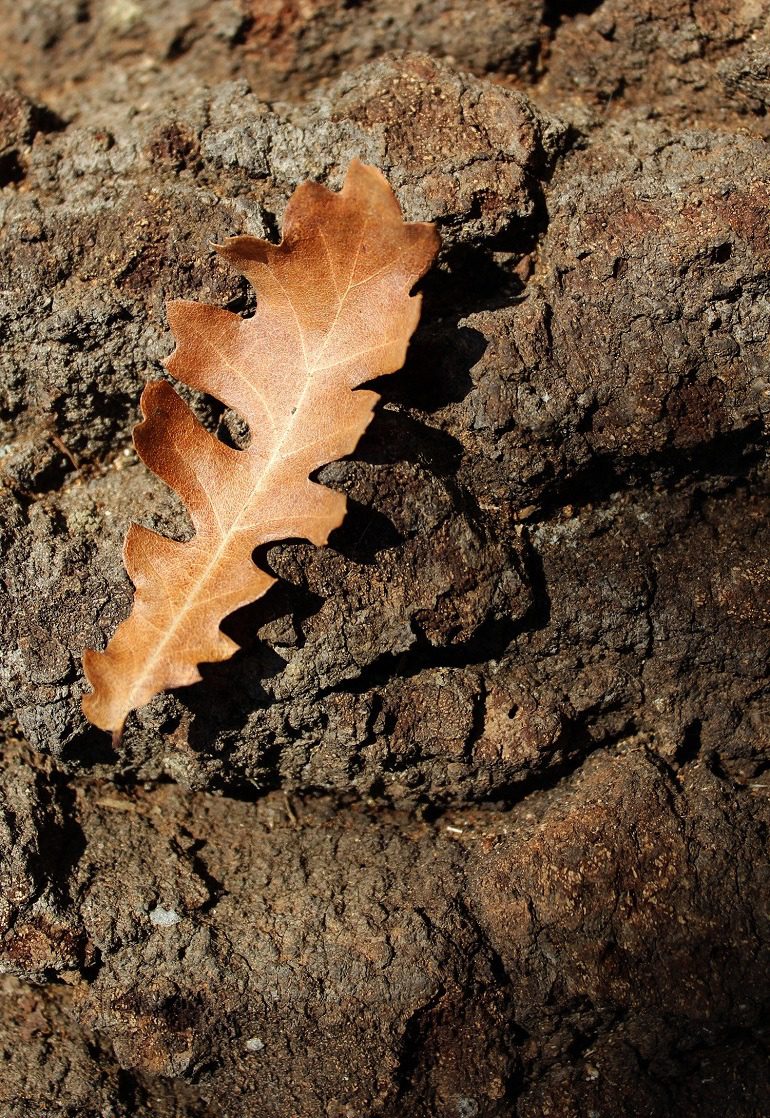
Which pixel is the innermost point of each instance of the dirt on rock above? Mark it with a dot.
(476, 823)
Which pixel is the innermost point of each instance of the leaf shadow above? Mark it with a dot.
(228, 692)
(231, 690)
(436, 373)
(364, 533)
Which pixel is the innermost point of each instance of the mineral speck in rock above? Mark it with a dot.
(164, 917)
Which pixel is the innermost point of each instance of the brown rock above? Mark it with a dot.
(476, 823)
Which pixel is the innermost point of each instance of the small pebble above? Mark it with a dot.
(164, 917)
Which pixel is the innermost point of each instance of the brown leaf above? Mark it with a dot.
(334, 310)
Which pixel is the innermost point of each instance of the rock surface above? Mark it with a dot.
(476, 823)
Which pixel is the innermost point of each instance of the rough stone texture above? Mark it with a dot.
(746, 78)
(663, 56)
(592, 974)
(281, 46)
(476, 824)
(401, 966)
(59, 1068)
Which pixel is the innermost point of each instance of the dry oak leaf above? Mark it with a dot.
(334, 309)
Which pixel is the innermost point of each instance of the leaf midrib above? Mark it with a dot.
(227, 536)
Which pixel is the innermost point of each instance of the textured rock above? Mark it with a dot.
(746, 78)
(40, 844)
(49, 1059)
(660, 55)
(566, 940)
(475, 825)
(368, 961)
(643, 328)
(281, 47)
